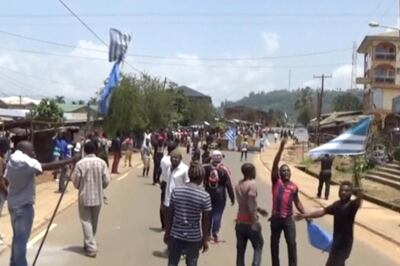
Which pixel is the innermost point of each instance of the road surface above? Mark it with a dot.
(129, 230)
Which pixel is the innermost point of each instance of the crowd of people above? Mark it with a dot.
(193, 196)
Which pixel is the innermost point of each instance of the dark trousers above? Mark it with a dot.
(216, 216)
(244, 232)
(338, 256)
(288, 227)
(324, 178)
(63, 178)
(176, 248)
(117, 157)
(157, 168)
(163, 209)
(245, 155)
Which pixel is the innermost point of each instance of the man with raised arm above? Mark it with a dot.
(344, 212)
(284, 194)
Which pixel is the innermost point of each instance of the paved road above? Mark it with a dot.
(129, 235)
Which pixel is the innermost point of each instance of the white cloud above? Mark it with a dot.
(271, 42)
(78, 78)
(221, 80)
(34, 75)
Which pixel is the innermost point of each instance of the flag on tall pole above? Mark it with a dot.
(116, 53)
(351, 142)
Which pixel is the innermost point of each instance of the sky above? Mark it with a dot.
(225, 49)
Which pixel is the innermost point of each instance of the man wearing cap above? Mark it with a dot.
(218, 181)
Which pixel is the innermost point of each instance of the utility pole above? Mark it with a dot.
(319, 103)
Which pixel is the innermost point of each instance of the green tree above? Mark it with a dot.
(125, 112)
(48, 109)
(347, 102)
(59, 99)
(81, 102)
(304, 106)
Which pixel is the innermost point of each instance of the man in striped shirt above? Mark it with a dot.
(284, 194)
(189, 203)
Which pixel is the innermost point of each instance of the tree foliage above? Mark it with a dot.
(147, 102)
(49, 110)
(304, 106)
(347, 102)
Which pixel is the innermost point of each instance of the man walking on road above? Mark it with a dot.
(344, 212)
(116, 147)
(217, 183)
(165, 164)
(247, 224)
(20, 173)
(177, 175)
(91, 177)
(189, 203)
(284, 193)
(325, 175)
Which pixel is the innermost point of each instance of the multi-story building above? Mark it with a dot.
(381, 77)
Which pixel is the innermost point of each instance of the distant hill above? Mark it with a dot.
(284, 100)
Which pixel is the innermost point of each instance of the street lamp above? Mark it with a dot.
(374, 24)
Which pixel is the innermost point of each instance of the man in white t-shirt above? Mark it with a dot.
(165, 164)
(177, 174)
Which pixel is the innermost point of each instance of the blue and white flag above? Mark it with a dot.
(231, 135)
(118, 45)
(112, 83)
(351, 142)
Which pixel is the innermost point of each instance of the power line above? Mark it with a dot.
(172, 64)
(82, 22)
(190, 15)
(260, 58)
(92, 31)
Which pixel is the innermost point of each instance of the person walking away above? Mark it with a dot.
(276, 136)
(189, 205)
(165, 164)
(146, 157)
(103, 148)
(243, 148)
(247, 224)
(90, 177)
(196, 153)
(325, 175)
(63, 145)
(128, 143)
(4, 147)
(20, 172)
(344, 211)
(188, 144)
(205, 157)
(284, 193)
(218, 181)
(117, 150)
(158, 155)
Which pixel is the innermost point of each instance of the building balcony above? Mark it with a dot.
(385, 56)
(385, 79)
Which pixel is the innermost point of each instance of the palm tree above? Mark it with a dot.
(59, 99)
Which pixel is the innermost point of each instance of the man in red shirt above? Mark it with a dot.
(284, 194)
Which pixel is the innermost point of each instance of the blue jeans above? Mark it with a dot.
(176, 248)
(216, 216)
(244, 232)
(21, 222)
